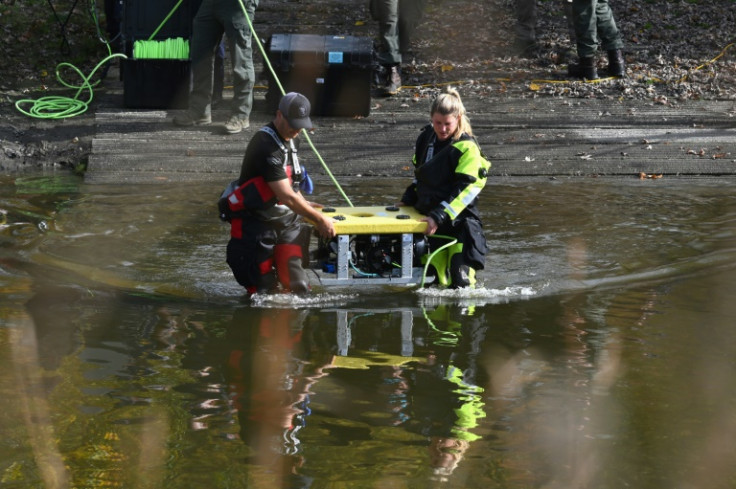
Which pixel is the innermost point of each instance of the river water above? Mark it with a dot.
(597, 351)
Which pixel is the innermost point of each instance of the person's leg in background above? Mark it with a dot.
(239, 36)
(386, 12)
(206, 34)
(410, 14)
(610, 38)
(219, 74)
(525, 42)
(584, 18)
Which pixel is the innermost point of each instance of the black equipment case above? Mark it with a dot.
(156, 83)
(333, 72)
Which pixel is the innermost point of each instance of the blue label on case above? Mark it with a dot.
(334, 57)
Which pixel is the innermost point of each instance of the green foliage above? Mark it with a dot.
(34, 43)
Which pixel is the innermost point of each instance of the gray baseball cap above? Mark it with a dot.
(295, 107)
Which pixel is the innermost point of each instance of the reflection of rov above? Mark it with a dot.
(368, 343)
(374, 245)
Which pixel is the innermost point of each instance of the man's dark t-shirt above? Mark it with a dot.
(264, 157)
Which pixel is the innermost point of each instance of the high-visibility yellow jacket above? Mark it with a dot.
(449, 176)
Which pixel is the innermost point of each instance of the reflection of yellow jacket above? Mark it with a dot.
(470, 396)
(448, 177)
(471, 409)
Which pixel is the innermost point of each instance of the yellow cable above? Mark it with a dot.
(708, 62)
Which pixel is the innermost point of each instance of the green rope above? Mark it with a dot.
(59, 107)
(451, 241)
(438, 336)
(93, 13)
(283, 92)
(166, 19)
(174, 48)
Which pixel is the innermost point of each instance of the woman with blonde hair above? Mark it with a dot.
(449, 173)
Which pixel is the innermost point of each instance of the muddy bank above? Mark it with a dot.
(459, 42)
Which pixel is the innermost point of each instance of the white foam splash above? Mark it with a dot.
(481, 294)
(299, 301)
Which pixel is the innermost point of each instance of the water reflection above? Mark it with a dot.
(274, 362)
(271, 371)
(448, 400)
(32, 410)
(598, 351)
(524, 392)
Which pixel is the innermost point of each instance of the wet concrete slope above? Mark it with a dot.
(522, 137)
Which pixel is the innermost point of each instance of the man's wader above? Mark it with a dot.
(263, 251)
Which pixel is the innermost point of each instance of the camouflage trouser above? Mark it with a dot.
(594, 24)
(526, 20)
(397, 20)
(214, 18)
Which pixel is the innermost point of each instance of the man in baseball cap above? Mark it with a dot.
(268, 238)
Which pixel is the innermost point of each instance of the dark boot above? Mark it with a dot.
(585, 69)
(616, 64)
(525, 48)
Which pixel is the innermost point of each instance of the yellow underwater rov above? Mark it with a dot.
(373, 245)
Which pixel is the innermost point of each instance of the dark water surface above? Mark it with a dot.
(598, 352)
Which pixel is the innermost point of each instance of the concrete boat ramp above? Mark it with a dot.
(544, 136)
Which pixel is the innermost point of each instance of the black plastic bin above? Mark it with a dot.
(156, 83)
(333, 72)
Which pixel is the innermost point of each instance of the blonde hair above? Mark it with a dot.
(450, 103)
